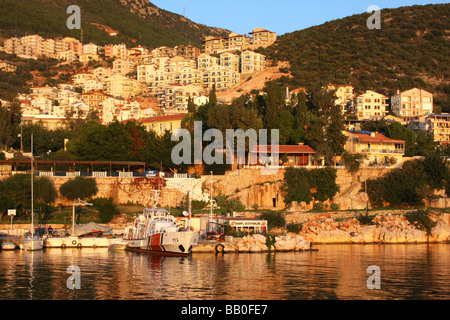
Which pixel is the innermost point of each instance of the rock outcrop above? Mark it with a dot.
(389, 228)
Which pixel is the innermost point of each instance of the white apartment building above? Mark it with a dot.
(412, 103)
(116, 51)
(222, 77)
(80, 79)
(35, 42)
(67, 56)
(206, 61)
(44, 104)
(101, 73)
(174, 98)
(90, 48)
(49, 48)
(230, 60)
(188, 76)
(439, 126)
(121, 86)
(145, 72)
(46, 92)
(93, 84)
(122, 66)
(370, 105)
(11, 45)
(252, 61)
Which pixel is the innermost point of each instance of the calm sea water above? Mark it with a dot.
(416, 271)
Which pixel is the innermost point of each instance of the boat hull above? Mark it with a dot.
(154, 252)
(32, 244)
(170, 244)
(9, 246)
(76, 242)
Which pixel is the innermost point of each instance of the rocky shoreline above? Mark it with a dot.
(386, 228)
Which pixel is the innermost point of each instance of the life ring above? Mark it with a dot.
(74, 242)
(94, 246)
(63, 246)
(79, 245)
(219, 248)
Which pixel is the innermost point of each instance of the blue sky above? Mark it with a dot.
(281, 16)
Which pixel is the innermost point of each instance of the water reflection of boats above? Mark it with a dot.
(157, 232)
(33, 259)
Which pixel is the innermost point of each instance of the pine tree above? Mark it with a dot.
(213, 97)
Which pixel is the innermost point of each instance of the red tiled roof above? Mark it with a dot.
(379, 137)
(287, 149)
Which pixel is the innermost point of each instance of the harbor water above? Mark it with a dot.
(406, 271)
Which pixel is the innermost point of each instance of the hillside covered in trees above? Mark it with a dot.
(137, 22)
(410, 50)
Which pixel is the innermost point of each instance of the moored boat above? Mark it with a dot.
(157, 232)
(32, 243)
(9, 246)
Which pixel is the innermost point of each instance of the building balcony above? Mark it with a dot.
(383, 151)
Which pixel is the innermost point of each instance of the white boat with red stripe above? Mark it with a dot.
(157, 232)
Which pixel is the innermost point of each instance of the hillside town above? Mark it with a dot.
(139, 84)
(154, 87)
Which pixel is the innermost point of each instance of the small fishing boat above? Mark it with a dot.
(9, 246)
(157, 232)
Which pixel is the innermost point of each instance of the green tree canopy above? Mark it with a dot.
(80, 187)
(399, 131)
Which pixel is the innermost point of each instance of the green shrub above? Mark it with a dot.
(274, 219)
(106, 208)
(270, 241)
(334, 206)
(229, 204)
(365, 219)
(421, 220)
(298, 184)
(294, 227)
(199, 204)
(318, 206)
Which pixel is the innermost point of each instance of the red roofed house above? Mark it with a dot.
(289, 155)
(376, 146)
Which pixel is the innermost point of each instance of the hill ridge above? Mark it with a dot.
(410, 50)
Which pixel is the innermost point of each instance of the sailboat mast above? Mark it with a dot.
(32, 197)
